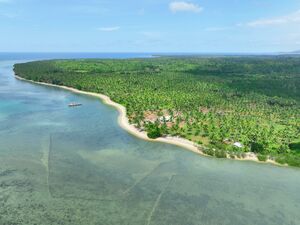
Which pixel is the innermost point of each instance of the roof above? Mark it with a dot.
(166, 118)
(238, 144)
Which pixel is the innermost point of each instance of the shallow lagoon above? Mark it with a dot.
(61, 165)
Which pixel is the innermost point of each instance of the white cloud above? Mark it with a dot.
(287, 19)
(184, 7)
(109, 29)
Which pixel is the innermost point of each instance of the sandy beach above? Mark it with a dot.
(124, 123)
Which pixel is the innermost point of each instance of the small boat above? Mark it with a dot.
(73, 104)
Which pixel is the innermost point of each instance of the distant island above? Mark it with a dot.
(229, 107)
(291, 53)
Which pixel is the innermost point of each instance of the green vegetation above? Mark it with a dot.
(262, 158)
(217, 102)
(220, 154)
(153, 131)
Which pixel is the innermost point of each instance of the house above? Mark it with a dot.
(238, 145)
(165, 118)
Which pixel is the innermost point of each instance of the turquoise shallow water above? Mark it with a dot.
(61, 165)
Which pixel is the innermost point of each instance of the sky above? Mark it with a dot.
(195, 26)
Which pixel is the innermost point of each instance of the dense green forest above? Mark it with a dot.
(228, 105)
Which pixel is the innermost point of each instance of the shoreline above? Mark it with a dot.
(124, 124)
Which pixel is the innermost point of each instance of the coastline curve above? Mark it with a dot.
(131, 129)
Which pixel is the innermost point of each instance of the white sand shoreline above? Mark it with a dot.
(124, 123)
